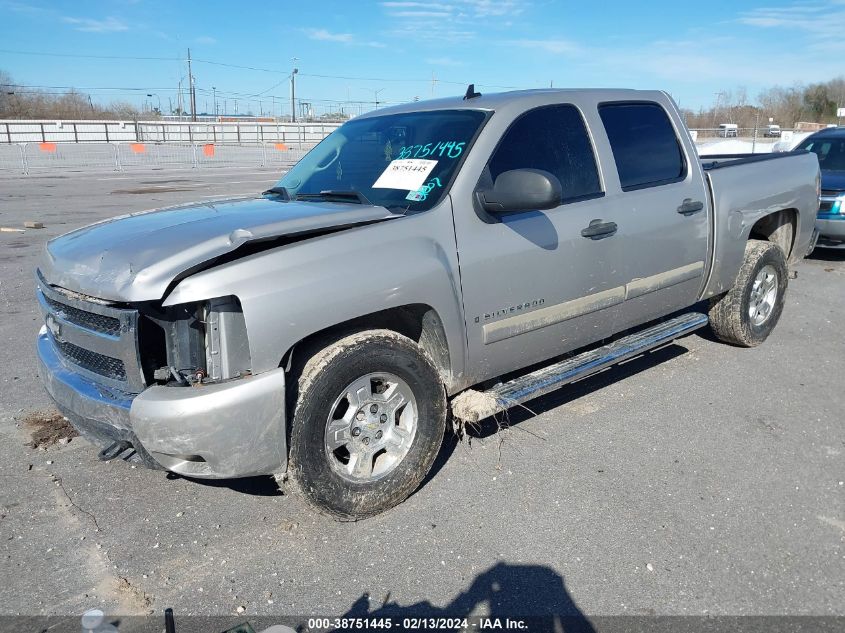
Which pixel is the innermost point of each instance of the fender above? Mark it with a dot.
(293, 291)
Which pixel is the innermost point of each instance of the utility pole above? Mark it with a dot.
(375, 95)
(214, 91)
(756, 125)
(193, 89)
(433, 83)
(293, 91)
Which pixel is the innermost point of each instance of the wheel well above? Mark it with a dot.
(419, 322)
(778, 227)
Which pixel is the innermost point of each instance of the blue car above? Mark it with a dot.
(829, 146)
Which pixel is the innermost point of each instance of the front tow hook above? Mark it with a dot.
(113, 450)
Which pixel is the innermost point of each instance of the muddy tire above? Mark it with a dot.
(368, 421)
(748, 313)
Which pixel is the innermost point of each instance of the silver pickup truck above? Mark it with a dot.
(330, 329)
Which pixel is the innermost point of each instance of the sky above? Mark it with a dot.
(394, 51)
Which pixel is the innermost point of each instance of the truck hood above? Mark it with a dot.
(833, 180)
(136, 257)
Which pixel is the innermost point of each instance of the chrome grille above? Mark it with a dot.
(90, 320)
(99, 340)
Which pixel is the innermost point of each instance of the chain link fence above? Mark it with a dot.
(27, 158)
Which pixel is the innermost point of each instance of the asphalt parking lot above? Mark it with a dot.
(698, 479)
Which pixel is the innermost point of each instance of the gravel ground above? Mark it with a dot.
(699, 479)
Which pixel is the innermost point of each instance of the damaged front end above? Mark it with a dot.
(167, 386)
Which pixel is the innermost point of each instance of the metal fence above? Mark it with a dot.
(296, 135)
(742, 132)
(29, 157)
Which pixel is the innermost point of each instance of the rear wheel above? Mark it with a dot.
(367, 425)
(749, 311)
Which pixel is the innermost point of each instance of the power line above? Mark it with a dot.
(256, 68)
(78, 56)
(112, 88)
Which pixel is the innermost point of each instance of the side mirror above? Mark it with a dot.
(522, 190)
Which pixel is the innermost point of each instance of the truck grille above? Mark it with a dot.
(89, 320)
(99, 340)
(92, 361)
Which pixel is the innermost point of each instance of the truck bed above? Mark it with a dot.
(746, 187)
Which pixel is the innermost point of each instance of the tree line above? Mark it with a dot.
(813, 103)
(21, 102)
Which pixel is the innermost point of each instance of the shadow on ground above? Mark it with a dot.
(828, 254)
(491, 426)
(503, 591)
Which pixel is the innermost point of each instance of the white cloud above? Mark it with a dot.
(327, 36)
(417, 14)
(90, 25)
(323, 35)
(823, 19)
(454, 20)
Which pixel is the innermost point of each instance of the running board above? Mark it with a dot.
(471, 406)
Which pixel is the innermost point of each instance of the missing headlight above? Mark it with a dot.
(226, 343)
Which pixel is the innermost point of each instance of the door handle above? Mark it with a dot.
(688, 207)
(599, 229)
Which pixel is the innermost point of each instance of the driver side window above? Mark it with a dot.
(554, 139)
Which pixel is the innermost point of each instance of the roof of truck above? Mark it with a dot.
(828, 132)
(529, 98)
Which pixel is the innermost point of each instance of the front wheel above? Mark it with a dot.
(368, 422)
(749, 311)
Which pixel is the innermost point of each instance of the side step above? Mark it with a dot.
(471, 406)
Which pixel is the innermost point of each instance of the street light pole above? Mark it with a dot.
(214, 91)
(293, 91)
(193, 89)
(153, 94)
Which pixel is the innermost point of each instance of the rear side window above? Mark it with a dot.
(552, 138)
(644, 144)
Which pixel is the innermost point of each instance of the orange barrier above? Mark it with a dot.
(208, 149)
(281, 147)
(137, 148)
(47, 147)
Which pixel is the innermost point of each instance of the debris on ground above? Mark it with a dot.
(9, 229)
(48, 428)
(139, 598)
(31, 224)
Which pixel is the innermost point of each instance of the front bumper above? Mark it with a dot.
(225, 430)
(831, 227)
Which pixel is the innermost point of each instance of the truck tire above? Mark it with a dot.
(369, 418)
(749, 311)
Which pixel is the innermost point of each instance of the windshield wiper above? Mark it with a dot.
(335, 196)
(278, 191)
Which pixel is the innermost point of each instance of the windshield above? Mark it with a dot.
(401, 161)
(831, 152)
